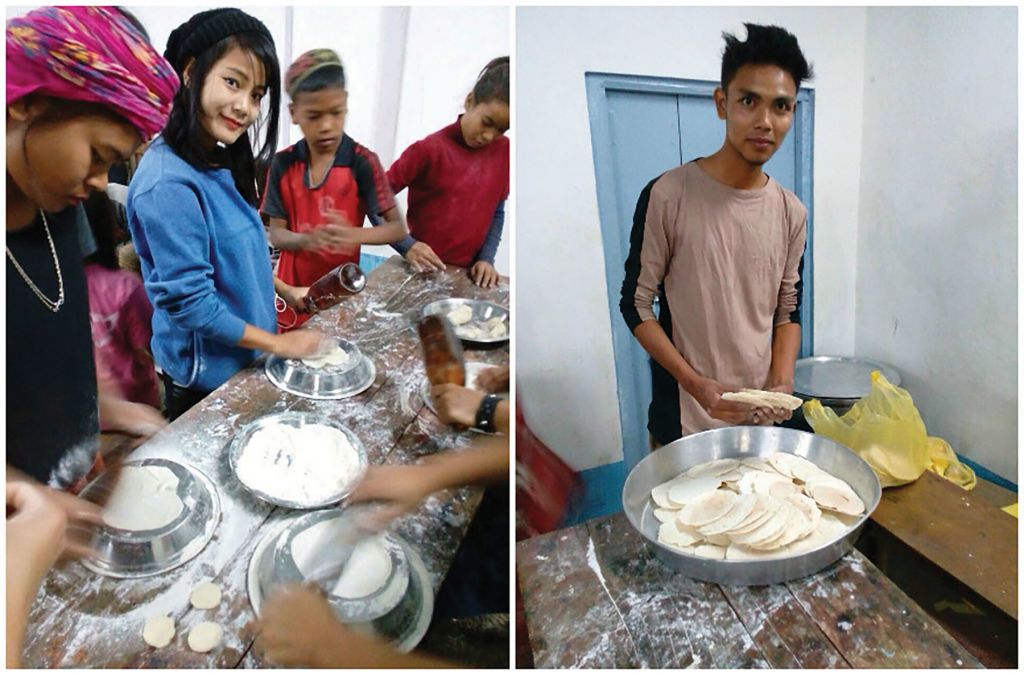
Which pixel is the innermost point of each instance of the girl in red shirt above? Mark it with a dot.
(458, 180)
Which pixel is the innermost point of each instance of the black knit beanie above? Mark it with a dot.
(206, 29)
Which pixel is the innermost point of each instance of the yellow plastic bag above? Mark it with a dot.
(884, 428)
(946, 464)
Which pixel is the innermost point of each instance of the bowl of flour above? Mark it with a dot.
(298, 459)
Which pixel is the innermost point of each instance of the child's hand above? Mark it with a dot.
(294, 296)
(298, 628)
(423, 259)
(328, 237)
(130, 417)
(298, 344)
(402, 487)
(455, 404)
(484, 275)
(494, 379)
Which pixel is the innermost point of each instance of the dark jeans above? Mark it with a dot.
(477, 582)
(177, 399)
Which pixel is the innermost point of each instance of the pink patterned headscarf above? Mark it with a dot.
(90, 54)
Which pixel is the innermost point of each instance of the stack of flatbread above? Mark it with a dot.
(764, 399)
(753, 508)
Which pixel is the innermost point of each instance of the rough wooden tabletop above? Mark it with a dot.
(596, 597)
(931, 512)
(84, 620)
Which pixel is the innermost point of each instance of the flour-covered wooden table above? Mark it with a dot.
(83, 620)
(596, 597)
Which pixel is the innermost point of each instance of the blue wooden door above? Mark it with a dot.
(640, 128)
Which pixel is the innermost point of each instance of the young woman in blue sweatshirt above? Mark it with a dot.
(192, 215)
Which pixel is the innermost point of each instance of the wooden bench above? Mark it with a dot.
(965, 533)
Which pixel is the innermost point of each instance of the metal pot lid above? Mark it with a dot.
(838, 377)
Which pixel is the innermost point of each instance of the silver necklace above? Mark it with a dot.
(50, 304)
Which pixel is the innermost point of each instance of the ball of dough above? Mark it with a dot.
(205, 596)
(158, 631)
(204, 637)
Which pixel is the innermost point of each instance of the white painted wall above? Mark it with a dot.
(937, 242)
(408, 69)
(564, 359)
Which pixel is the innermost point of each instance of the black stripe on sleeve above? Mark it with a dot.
(794, 316)
(627, 301)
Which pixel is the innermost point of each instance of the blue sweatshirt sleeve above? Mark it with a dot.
(182, 280)
(490, 247)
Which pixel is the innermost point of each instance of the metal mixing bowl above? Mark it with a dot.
(296, 419)
(738, 442)
(404, 625)
(350, 378)
(482, 311)
(336, 533)
(131, 554)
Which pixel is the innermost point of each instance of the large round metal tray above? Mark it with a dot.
(127, 554)
(837, 381)
(330, 383)
(674, 458)
(482, 311)
(405, 625)
(296, 419)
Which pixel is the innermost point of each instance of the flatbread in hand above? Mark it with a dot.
(764, 399)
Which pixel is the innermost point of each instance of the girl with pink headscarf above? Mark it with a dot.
(84, 89)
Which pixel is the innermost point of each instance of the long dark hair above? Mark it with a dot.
(184, 128)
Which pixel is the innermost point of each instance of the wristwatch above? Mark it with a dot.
(485, 413)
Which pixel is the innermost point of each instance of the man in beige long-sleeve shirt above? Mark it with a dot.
(721, 245)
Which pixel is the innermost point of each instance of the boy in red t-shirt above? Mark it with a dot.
(321, 189)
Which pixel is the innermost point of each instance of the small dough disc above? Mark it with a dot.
(659, 493)
(835, 498)
(158, 631)
(713, 468)
(667, 515)
(710, 551)
(707, 508)
(794, 466)
(686, 491)
(674, 534)
(740, 509)
(204, 637)
(205, 596)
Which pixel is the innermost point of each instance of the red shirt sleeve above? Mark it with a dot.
(409, 166)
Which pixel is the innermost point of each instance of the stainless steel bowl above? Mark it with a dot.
(678, 456)
(482, 311)
(131, 554)
(404, 625)
(296, 419)
(473, 370)
(335, 532)
(329, 383)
